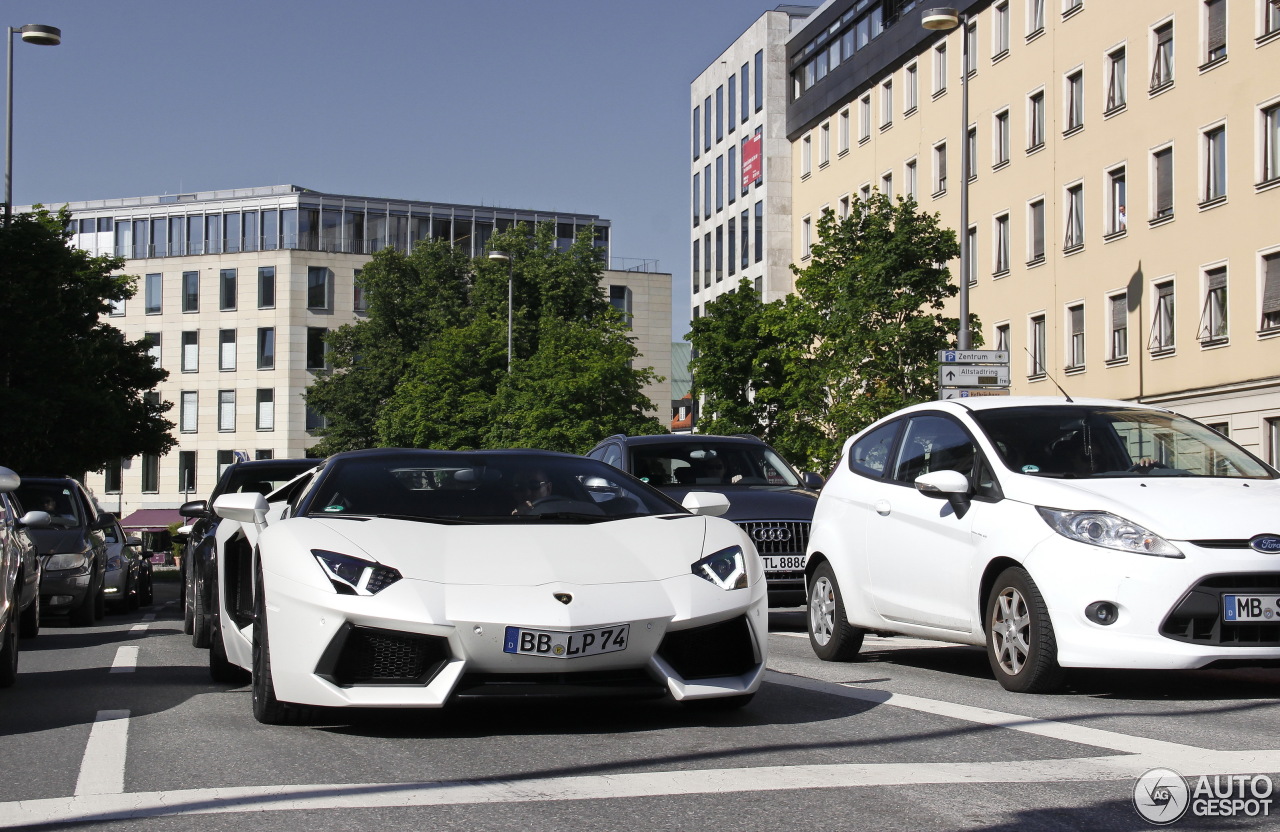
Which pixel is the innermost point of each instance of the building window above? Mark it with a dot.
(697, 266)
(697, 201)
(733, 102)
(1162, 321)
(1038, 345)
(153, 346)
(719, 183)
(226, 410)
(225, 458)
(1069, 6)
(315, 419)
(1002, 337)
(266, 347)
(1000, 139)
(1117, 86)
(745, 218)
(1074, 95)
(1000, 30)
(226, 349)
(971, 264)
(1035, 17)
(940, 69)
(1215, 30)
(706, 192)
(842, 136)
(706, 123)
(843, 207)
(154, 293)
(886, 185)
(1273, 442)
(266, 287)
(1035, 121)
(864, 119)
(117, 308)
(824, 144)
(317, 349)
(940, 169)
(359, 300)
(1270, 292)
(1119, 326)
(112, 477)
(1270, 18)
(1002, 245)
(319, 295)
(264, 453)
(759, 232)
(719, 253)
(746, 98)
(1162, 56)
(971, 152)
(150, 473)
(911, 183)
(806, 237)
(191, 291)
(1213, 317)
(697, 134)
(731, 248)
(1075, 347)
(1215, 164)
(188, 411)
(226, 289)
(734, 174)
(1162, 161)
(1074, 236)
(706, 260)
(266, 411)
(886, 104)
(1117, 218)
(759, 80)
(1271, 143)
(190, 351)
(1035, 232)
(912, 91)
(971, 47)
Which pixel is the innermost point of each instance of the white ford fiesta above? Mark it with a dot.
(406, 578)
(1059, 534)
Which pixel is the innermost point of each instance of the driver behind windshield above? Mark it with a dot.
(529, 487)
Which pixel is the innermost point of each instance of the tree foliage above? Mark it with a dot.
(428, 366)
(71, 386)
(858, 339)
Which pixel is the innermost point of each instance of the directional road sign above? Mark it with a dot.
(973, 375)
(970, 392)
(973, 356)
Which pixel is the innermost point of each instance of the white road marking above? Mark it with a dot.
(139, 628)
(881, 642)
(102, 768)
(1138, 755)
(126, 660)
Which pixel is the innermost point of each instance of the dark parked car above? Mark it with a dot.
(14, 562)
(128, 576)
(19, 539)
(768, 499)
(73, 555)
(199, 561)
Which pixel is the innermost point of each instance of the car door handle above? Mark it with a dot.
(883, 508)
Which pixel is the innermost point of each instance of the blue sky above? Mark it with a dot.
(560, 105)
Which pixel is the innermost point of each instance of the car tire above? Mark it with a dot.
(29, 621)
(1021, 645)
(134, 599)
(9, 655)
(82, 616)
(100, 601)
(200, 624)
(266, 708)
(831, 635)
(146, 592)
(187, 601)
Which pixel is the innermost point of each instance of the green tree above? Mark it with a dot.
(428, 367)
(72, 388)
(858, 339)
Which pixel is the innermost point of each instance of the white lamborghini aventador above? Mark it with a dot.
(405, 578)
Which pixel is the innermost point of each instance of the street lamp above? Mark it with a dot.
(40, 36)
(505, 255)
(945, 19)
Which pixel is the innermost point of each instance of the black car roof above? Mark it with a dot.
(689, 438)
(375, 452)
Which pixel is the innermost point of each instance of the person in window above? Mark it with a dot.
(530, 487)
(1121, 219)
(711, 472)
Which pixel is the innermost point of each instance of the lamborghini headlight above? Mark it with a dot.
(1102, 528)
(355, 576)
(726, 568)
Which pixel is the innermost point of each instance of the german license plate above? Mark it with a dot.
(1251, 608)
(557, 644)
(783, 563)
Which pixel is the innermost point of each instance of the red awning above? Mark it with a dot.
(152, 519)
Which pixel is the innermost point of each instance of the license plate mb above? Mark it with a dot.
(1251, 608)
(558, 644)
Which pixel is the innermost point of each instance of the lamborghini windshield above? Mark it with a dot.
(481, 487)
(1082, 442)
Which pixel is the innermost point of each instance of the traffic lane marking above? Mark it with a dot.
(102, 767)
(882, 642)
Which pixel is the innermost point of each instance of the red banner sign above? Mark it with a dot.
(752, 161)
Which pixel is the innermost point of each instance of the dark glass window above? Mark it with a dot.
(227, 289)
(266, 287)
(317, 287)
(317, 349)
(191, 291)
(266, 347)
(759, 80)
(155, 283)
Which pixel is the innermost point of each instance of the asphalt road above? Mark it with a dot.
(119, 726)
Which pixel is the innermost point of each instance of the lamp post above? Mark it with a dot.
(40, 36)
(505, 255)
(945, 19)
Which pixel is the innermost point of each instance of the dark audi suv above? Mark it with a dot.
(768, 499)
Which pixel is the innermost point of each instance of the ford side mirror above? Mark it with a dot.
(951, 486)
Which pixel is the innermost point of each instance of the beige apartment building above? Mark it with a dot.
(1124, 190)
(237, 289)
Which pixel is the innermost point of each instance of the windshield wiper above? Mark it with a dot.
(570, 515)
(416, 518)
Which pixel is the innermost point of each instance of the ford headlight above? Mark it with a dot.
(726, 568)
(354, 576)
(1102, 528)
(59, 562)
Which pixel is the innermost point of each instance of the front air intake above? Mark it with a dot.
(371, 656)
(721, 649)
